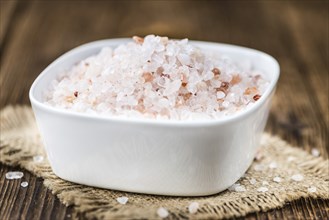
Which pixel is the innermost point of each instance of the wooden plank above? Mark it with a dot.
(34, 45)
(44, 30)
(313, 49)
(30, 202)
(295, 115)
(6, 10)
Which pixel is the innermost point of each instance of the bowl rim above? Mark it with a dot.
(166, 122)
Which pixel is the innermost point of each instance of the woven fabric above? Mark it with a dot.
(20, 142)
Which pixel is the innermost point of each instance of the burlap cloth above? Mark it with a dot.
(20, 141)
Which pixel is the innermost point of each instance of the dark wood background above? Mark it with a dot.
(34, 33)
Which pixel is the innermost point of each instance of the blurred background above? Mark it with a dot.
(34, 33)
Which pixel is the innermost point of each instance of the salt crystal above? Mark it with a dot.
(156, 78)
(277, 179)
(262, 189)
(315, 152)
(297, 177)
(24, 184)
(232, 188)
(220, 95)
(291, 158)
(273, 165)
(162, 212)
(38, 158)
(252, 181)
(237, 187)
(122, 200)
(311, 189)
(14, 175)
(193, 207)
(240, 188)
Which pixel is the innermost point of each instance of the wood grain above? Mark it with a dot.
(296, 108)
(32, 202)
(34, 33)
(6, 12)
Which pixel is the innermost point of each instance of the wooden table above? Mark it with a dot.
(34, 33)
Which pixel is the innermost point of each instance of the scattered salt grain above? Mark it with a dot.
(154, 77)
(237, 187)
(297, 177)
(162, 212)
(122, 200)
(220, 95)
(315, 152)
(240, 188)
(277, 179)
(273, 165)
(232, 188)
(252, 181)
(24, 184)
(262, 189)
(38, 158)
(291, 158)
(14, 175)
(311, 189)
(193, 207)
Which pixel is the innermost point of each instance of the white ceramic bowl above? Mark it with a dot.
(181, 158)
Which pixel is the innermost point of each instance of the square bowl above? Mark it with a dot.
(180, 158)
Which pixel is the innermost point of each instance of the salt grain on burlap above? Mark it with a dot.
(232, 188)
(311, 189)
(240, 188)
(262, 189)
(237, 187)
(122, 200)
(252, 181)
(162, 212)
(290, 158)
(273, 165)
(38, 158)
(158, 78)
(297, 177)
(315, 152)
(193, 207)
(277, 179)
(14, 175)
